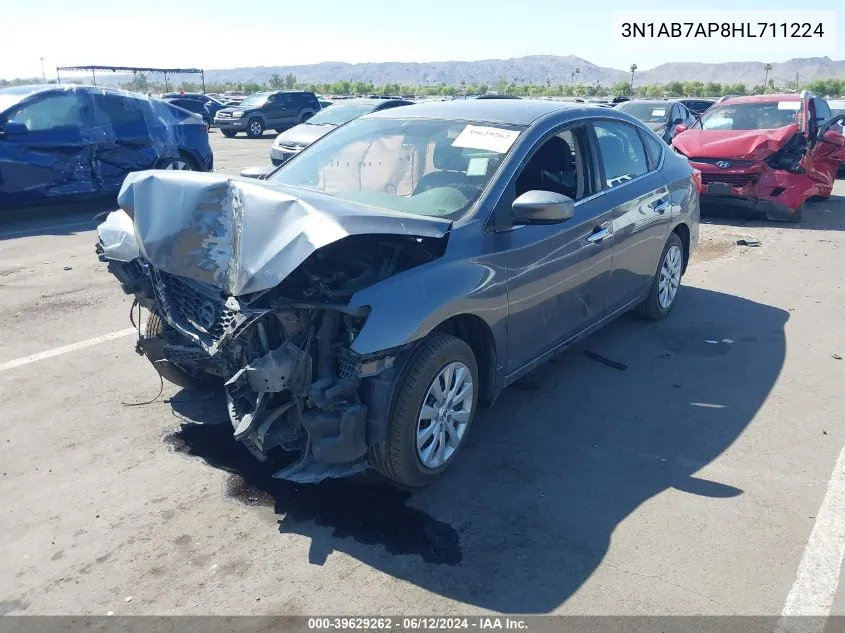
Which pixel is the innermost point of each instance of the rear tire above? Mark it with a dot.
(174, 373)
(669, 271)
(398, 458)
(228, 133)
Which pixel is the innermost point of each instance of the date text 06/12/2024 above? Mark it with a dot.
(381, 623)
(768, 30)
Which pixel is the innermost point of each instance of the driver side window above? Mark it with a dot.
(62, 110)
(559, 165)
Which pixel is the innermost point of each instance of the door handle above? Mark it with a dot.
(660, 205)
(598, 234)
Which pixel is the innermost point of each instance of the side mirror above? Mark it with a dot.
(678, 121)
(14, 128)
(680, 128)
(542, 207)
(259, 173)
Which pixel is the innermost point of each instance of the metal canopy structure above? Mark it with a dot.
(134, 70)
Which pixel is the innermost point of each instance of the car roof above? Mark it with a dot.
(507, 111)
(29, 90)
(761, 99)
(364, 101)
(647, 101)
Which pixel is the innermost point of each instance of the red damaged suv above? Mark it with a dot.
(767, 153)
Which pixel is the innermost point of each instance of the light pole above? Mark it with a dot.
(767, 68)
(633, 70)
(43, 76)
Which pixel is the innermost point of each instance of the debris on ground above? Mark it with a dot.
(711, 341)
(748, 241)
(837, 357)
(727, 340)
(128, 599)
(602, 359)
(68, 267)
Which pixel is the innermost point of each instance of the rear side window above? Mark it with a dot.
(622, 152)
(654, 147)
(123, 113)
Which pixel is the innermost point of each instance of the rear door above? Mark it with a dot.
(641, 205)
(54, 157)
(126, 129)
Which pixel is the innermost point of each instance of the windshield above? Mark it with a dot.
(751, 116)
(419, 166)
(340, 114)
(8, 99)
(255, 100)
(648, 112)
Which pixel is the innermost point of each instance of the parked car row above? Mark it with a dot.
(76, 142)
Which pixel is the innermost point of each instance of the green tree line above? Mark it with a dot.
(515, 86)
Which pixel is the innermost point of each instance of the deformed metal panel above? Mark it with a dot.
(244, 236)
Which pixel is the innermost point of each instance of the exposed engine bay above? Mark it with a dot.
(282, 355)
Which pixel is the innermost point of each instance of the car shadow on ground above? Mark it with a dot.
(54, 219)
(526, 513)
(818, 215)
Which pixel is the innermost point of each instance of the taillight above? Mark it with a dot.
(696, 179)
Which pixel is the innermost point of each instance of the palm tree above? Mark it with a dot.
(768, 69)
(633, 70)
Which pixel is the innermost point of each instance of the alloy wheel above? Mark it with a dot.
(444, 416)
(670, 276)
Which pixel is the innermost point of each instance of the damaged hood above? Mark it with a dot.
(241, 235)
(736, 144)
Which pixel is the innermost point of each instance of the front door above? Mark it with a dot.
(558, 274)
(52, 157)
(825, 152)
(280, 111)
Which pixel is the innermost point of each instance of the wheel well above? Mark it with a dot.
(475, 332)
(683, 232)
(191, 159)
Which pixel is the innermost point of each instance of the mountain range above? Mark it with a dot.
(535, 69)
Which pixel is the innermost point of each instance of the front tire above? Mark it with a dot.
(432, 413)
(255, 128)
(155, 328)
(229, 133)
(666, 283)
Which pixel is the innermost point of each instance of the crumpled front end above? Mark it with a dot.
(280, 345)
(758, 170)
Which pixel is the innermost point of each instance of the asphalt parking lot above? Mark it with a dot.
(706, 478)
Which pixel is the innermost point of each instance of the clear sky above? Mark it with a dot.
(228, 33)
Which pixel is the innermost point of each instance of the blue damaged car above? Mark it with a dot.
(358, 304)
(62, 143)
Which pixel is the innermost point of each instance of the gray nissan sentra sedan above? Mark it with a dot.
(358, 305)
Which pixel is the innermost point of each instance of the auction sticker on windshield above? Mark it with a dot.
(658, 112)
(492, 139)
(789, 105)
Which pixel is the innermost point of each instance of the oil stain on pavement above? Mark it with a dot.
(370, 512)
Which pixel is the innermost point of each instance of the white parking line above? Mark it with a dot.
(817, 580)
(58, 351)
